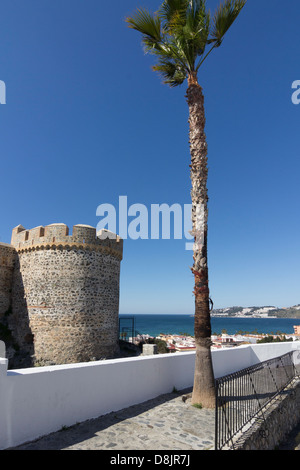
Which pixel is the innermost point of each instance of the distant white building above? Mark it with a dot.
(297, 329)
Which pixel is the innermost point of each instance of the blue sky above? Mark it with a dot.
(87, 121)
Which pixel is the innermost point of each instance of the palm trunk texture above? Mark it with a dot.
(204, 385)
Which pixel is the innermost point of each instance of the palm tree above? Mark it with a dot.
(181, 35)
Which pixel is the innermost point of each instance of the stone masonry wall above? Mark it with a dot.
(65, 294)
(7, 261)
(280, 418)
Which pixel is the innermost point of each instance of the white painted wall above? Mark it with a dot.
(230, 360)
(38, 401)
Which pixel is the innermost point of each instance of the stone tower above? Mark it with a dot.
(64, 293)
(7, 262)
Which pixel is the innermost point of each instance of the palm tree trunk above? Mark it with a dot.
(204, 385)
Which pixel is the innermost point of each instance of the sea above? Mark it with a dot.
(155, 324)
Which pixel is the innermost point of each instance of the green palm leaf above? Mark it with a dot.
(147, 24)
(179, 32)
(171, 71)
(224, 17)
(173, 13)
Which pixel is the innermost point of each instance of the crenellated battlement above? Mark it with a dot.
(57, 236)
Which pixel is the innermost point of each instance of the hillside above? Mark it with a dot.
(290, 312)
(265, 311)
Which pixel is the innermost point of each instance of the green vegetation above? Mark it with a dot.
(274, 339)
(239, 332)
(198, 405)
(291, 312)
(161, 345)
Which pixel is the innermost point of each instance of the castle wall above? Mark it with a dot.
(7, 261)
(65, 293)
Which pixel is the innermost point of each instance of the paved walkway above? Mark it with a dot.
(168, 422)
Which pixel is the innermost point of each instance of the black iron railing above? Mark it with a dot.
(243, 395)
(127, 328)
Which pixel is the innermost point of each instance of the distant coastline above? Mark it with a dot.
(155, 324)
(244, 316)
(257, 312)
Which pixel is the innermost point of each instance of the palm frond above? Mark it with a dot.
(197, 26)
(173, 13)
(224, 17)
(171, 72)
(179, 32)
(166, 49)
(146, 23)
